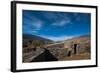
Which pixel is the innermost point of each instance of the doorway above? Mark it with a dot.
(75, 48)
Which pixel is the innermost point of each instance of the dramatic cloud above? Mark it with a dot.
(37, 24)
(58, 19)
(56, 25)
(61, 22)
(31, 24)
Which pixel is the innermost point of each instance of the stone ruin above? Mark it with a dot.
(56, 51)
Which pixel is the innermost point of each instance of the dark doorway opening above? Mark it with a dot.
(75, 48)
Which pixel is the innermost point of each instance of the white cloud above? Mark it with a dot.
(57, 38)
(37, 24)
(34, 31)
(60, 38)
(62, 22)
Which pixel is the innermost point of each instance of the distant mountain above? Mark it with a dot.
(83, 36)
(34, 37)
(87, 35)
(80, 38)
(29, 37)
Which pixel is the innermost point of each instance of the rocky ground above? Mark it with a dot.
(83, 56)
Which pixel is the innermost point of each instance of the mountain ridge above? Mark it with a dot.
(35, 37)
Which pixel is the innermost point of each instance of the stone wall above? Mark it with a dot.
(59, 51)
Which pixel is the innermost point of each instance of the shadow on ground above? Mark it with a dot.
(45, 56)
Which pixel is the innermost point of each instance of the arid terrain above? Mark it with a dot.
(38, 49)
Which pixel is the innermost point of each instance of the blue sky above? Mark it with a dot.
(56, 26)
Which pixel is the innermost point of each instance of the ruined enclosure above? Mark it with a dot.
(56, 51)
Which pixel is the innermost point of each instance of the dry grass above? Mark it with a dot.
(84, 56)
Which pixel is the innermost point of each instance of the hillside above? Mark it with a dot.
(82, 38)
(34, 37)
(27, 38)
